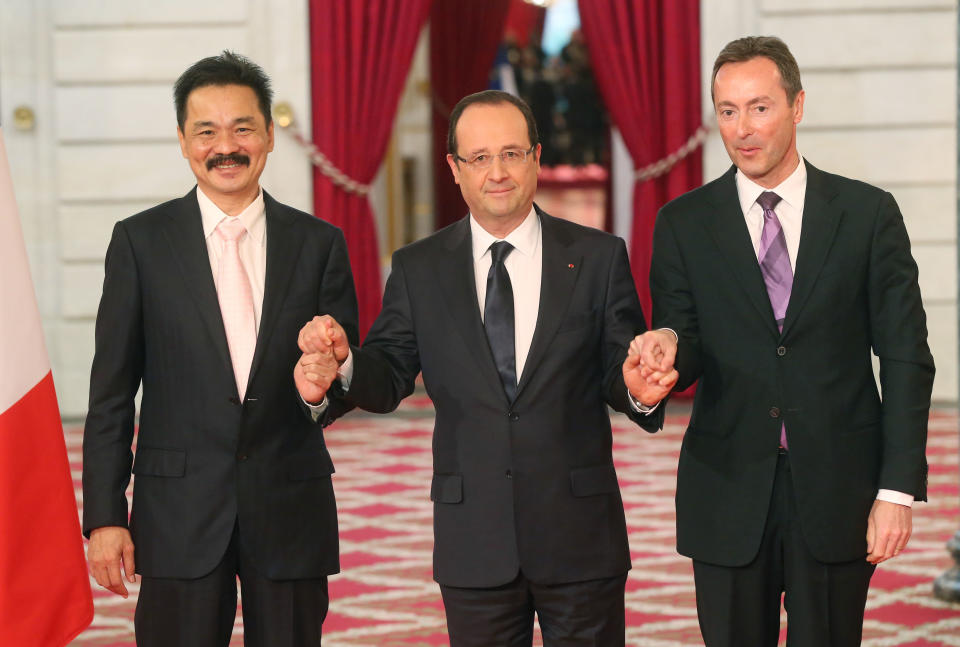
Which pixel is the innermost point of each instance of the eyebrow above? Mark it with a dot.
(507, 147)
(239, 120)
(754, 101)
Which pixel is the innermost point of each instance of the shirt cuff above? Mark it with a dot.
(345, 372)
(673, 332)
(316, 410)
(640, 407)
(892, 496)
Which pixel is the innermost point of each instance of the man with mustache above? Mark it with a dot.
(202, 301)
(782, 281)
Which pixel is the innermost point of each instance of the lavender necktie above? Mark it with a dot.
(775, 267)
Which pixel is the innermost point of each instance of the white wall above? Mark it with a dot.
(99, 76)
(881, 84)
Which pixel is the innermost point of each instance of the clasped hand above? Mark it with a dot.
(325, 347)
(648, 370)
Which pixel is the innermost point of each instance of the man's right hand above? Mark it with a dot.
(323, 335)
(109, 548)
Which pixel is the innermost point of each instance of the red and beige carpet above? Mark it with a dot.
(385, 597)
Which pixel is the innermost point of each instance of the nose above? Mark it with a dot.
(498, 169)
(225, 142)
(744, 125)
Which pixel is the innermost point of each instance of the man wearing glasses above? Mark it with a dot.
(520, 324)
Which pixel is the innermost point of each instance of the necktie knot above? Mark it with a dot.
(231, 229)
(768, 200)
(499, 251)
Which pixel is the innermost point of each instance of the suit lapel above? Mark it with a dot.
(559, 275)
(729, 230)
(456, 281)
(185, 234)
(818, 229)
(283, 252)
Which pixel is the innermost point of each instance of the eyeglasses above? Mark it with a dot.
(509, 157)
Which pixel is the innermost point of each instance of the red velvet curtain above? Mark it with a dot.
(645, 56)
(523, 20)
(361, 51)
(464, 36)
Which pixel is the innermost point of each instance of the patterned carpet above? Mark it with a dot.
(385, 596)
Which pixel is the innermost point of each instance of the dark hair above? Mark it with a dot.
(228, 68)
(751, 47)
(490, 98)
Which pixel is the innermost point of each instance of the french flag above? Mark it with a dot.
(45, 597)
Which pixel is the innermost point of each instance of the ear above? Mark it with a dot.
(270, 137)
(536, 155)
(183, 143)
(798, 107)
(454, 168)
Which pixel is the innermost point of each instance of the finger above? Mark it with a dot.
(884, 548)
(902, 544)
(115, 581)
(631, 362)
(129, 566)
(669, 357)
(670, 378)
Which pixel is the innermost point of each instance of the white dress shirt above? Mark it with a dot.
(525, 267)
(789, 210)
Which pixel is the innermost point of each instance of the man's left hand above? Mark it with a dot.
(646, 385)
(889, 527)
(313, 375)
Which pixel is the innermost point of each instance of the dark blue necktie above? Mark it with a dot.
(498, 317)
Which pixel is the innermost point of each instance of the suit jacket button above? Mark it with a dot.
(774, 412)
(781, 351)
(234, 400)
(509, 474)
(513, 416)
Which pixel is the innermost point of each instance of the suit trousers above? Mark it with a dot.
(200, 612)
(578, 614)
(740, 606)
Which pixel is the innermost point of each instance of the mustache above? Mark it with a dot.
(232, 158)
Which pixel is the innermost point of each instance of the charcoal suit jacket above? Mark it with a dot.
(855, 294)
(524, 485)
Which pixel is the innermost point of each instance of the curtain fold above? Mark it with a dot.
(360, 55)
(645, 55)
(464, 37)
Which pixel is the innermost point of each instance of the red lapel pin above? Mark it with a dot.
(570, 266)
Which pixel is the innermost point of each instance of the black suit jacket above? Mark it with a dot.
(854, 292)
(528, 484)
(205, 460)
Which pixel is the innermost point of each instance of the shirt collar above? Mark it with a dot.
(525, 238)
(253, 217)
(791, 190)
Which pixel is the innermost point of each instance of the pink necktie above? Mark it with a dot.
(236, 302)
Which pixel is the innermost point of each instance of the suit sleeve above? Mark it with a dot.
(114, 381)
(337, 298)
(899, 338)
(623, 320)
(673, 303)
(386, 367)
